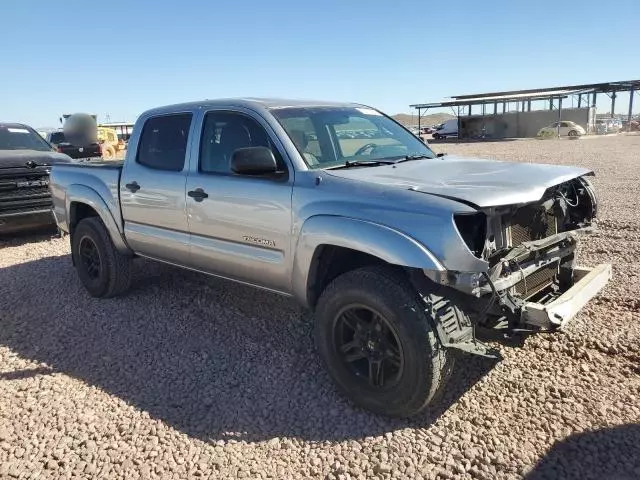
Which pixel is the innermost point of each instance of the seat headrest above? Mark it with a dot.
(299, 138)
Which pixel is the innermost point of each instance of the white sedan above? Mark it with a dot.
(567, 129)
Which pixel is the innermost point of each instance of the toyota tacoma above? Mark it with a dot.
(402, 254)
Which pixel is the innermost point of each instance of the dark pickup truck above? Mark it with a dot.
(58, 140)
(25, 164)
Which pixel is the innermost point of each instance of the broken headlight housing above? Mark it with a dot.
(472, 228)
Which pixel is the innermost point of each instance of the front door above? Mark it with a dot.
(152, 189)
(240, 225)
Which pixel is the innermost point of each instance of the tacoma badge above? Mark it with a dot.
(260, 241)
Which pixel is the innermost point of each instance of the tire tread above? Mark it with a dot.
(118, 265)
(395, 288)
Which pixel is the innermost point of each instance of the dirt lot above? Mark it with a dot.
(191, 377)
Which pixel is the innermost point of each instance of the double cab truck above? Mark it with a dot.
(25, 163)
(402, 254)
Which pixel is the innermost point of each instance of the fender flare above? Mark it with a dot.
(392, 246)
(76, 193)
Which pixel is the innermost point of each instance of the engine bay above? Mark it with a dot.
(563, 208)
(530, 249)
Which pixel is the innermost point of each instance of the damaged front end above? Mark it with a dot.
(532, 282)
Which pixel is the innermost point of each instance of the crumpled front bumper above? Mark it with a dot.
(556, 314)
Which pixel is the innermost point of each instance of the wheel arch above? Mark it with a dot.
(329, 245)
(82, 202)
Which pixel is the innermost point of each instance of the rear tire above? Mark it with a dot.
(103, 270)
(573, 133)
(414, 364)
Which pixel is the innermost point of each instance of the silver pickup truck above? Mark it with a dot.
(403, 255)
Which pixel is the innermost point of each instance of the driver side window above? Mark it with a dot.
(225, 132)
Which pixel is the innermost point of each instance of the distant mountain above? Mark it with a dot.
(427, 120)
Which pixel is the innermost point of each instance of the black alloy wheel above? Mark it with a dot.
(368, 346)
(378, 341)
(90, 258)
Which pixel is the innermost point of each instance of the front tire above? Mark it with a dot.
(103, 270)
(108, 153)
(378, 344)
(573, 133)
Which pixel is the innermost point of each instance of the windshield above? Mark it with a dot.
(331, 136)
(57, 137)
(22, 138)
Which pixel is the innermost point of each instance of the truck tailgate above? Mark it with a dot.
(91, 151)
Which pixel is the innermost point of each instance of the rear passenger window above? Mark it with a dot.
(163, 142)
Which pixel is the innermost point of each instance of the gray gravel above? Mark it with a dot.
(192, 377)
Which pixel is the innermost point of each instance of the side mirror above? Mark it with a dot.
(440, 154)
(253, 161)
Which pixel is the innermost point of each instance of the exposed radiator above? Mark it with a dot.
(530, 224)
(537, 281)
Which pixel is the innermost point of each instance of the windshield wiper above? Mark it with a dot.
(408, 158)
(363, 163)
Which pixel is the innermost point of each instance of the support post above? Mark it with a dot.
(593, 101)
(469, 110)
(551, 104)
(579, 100)
(504, 107)
(419, 118)
(529, 106)
(559, 114)
(631, 94)
(613, 104)
(495, 108)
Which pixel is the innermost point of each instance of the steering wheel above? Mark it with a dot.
(362, 149)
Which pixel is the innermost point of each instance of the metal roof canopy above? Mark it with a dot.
(493, 99)
(606, 87)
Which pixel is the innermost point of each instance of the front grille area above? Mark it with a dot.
(537, 281)
(24, 193)
(530, 224)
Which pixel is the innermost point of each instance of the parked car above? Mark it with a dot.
(615, 124)
(567, 128)
(58, 140)
(25, 163)
(401, 253)
(447, 129)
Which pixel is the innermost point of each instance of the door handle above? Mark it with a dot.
(198, 194)
(133, 186)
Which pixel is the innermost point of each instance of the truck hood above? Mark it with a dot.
(475, 181)
(30, 158)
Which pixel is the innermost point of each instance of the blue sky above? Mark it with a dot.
(122, 57)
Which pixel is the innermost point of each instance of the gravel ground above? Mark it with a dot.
(191, 377)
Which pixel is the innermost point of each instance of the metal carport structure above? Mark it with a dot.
(583, 92)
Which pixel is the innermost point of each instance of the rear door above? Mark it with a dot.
(152, 189)
(242, 228)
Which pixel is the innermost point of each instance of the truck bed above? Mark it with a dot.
(103, 177)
